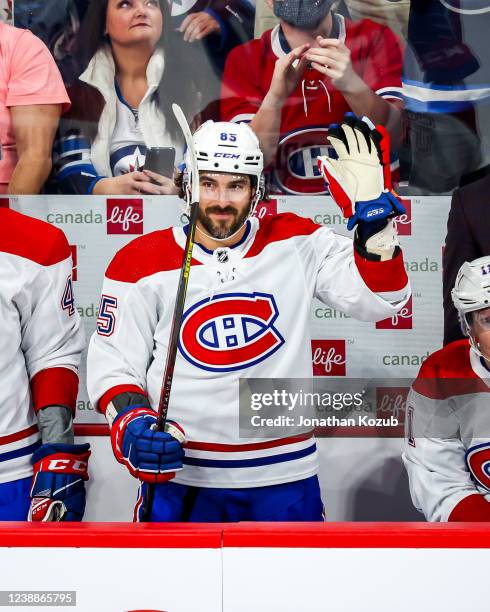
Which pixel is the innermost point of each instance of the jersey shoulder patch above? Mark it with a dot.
(32, 238)
(146, 255)
(281, 227)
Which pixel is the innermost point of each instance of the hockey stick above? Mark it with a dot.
(179, 301)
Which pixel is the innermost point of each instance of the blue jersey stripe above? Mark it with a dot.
(20, 452)
(440, 106)
(244, 463)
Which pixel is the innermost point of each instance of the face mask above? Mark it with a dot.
(302, 14)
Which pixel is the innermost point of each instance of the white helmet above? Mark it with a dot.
(471, 292)
(224, 146)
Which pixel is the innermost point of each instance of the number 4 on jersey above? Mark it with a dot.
(68, 301)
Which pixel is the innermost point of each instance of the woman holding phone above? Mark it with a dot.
(121, 104)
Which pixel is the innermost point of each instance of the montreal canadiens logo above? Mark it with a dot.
(230, 331)
(296, 171)
(478, 460)
(467, 7)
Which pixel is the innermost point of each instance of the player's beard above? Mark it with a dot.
(222, 229)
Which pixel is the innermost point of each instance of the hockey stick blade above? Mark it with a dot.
(179, 301)
(184, 126)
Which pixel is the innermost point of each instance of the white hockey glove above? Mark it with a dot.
(360, 179)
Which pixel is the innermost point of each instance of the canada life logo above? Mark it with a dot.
(328, 357)
(403, 319)
(392, 401)
(124, 216)
(230, 331)
(404, 222)
(74, 272)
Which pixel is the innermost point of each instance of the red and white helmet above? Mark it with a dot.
(471, 292)
(224, 146)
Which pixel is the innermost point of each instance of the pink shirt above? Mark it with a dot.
(28, 75)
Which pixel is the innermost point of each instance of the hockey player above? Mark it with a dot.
(42, 472)
(247, 314)
(447, 446)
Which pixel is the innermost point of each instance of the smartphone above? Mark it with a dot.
(160, 160)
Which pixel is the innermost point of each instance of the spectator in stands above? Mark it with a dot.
(220, 24)
(446, 86)
(122, 101)
(391, 13)
(305, 74)
(56, 23)
(32, 98)
(208, 30)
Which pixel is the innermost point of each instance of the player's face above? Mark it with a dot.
(224, 203)
(480, 328)
(134, 21)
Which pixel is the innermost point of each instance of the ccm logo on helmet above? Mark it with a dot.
(231, 331)
(227, 155)
(478, 460)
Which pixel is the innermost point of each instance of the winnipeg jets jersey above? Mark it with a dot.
(315, 103)
(41, 339)
(446, 67)
(246, 315)
(447, 445)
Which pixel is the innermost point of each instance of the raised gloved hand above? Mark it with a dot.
(360, 179)
(152, 456)
(58, 483)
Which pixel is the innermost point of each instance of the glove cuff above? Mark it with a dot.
(120, 424)
(62, 459)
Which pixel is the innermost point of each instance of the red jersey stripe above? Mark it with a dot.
(19, 435)
(236, 448)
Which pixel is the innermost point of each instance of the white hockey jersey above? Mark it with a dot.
(447, 444)
(41, 339)
(245, 317)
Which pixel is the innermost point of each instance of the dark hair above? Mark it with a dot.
(91, 37)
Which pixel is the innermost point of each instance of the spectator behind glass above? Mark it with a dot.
(391, 13)
(122, 101)
(208, 30)
(221, 24)
(305, 74)
(32, 98)
(446, 85)
(56, 23)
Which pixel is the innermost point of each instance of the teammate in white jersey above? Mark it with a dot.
(42, 472)
(247, 314)
(447, 446)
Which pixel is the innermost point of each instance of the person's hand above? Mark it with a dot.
(58, 483)
(151, 456)
(198, 25)
(288, 71)
(167, 185)
(333, 59)
(131, 183)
